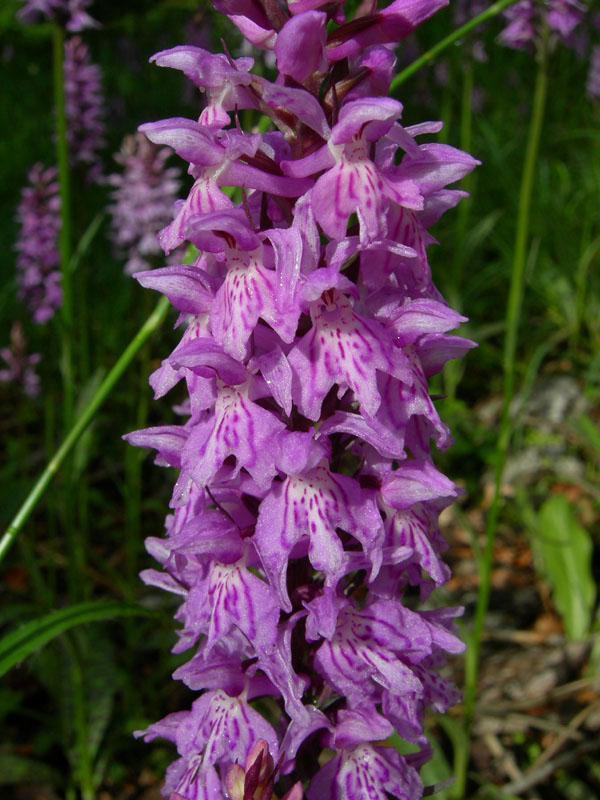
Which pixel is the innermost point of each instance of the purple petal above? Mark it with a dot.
(300, 45)
(369, 117)
(277, 372)
(391, 24)
(297, 732)
(188, 138)
(205, 69)
(224, 729)
(276, 662)
(380, 771)
(169, 440)
(206, 358)
(238, 428)
(298, 102)
(343, 348)
(315, 162)
(250, 291)
(184, 286)
(232, 597)
(437, 166)
(359, 725)
(416, 481)
(435, 349)
(313, 506)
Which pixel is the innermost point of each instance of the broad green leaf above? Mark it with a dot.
(24, 641)
(101, 684)
(565, 549)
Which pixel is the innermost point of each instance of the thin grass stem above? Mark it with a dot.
(84, 770)
(133, 471)
(464, 208)
(454, 369)
(513, 311)
(87, 415)
(429, 55)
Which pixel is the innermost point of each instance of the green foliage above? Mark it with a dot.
(30, 637)
(565, 550)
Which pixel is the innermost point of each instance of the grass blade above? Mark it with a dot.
(457, 34)
(21, 643)
(37, 492)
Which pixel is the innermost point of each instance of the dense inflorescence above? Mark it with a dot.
(528, 19)
(84, 107)
(304, 524)
(71, 13)
(142, 200)
(38, 215)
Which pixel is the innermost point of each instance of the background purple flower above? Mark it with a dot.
(71, 13)
(141, 201)
(84, 107)
(528, 18)
(38, 214)
(592, 86)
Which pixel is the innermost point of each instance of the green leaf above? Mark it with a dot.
(565, 549)
(101, 684)
(437, 772)
(590, 431)
(85, 241)
(81, 451)
(20, 644)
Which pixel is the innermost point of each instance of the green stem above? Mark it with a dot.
(64, 240)
(513, 311)
(32, 564)
(84, 768)
(454, 369)
(464, 208)
(150, 325)
(433, 52)
(49, 446)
